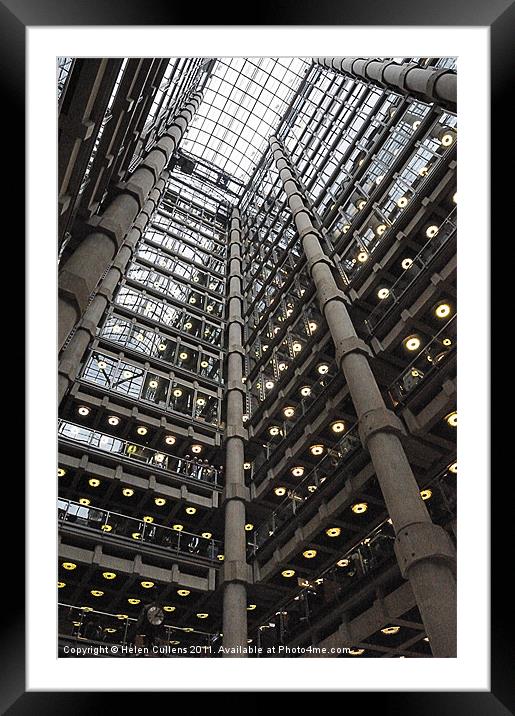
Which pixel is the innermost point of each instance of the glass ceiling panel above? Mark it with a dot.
(243, 103)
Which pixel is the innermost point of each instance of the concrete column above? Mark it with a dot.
(236, 571)
(84, 268)
(72, 355)
(424, 551)
(431, 84)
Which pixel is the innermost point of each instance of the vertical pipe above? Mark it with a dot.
(424, 550)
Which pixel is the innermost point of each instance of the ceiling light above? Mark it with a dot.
(452, 419)
(136, 535)
(447, 139)
(196, 448)
(338, 426)
(426, 494)
(316, 449)
(220, 557)
(170, 440)
(442, 310)
(142, 430)
(269, 384)
(61, 472)
(406, 263)
(106, 528)
(148, 518)
(83, 410)
(102, 364)
(183, 356)
(249, 527)
(178, 527)
(343, 562)
(202, 615)
(390, 630)
(113, 420)
(188, 325)
(297, 347)
(86, 609)
(127, 492)
(108, 575)
(60, 585)
(251, 607)
(305, 391)
(383, 293)
(183, 592)
(356, 652)
(97, 593)
(161, 346)
(204, 364)
(127, 374)
(274, 430)
(160, 501)
(323, 368)
(361, 204)
(94, 482)
(362, 256)
(431, 231)
(282, 366)
(84, 501)
(297, 471)
(455, 197)
(381, 229)
(289, 412)
(312, 488)
(288, 572)
(153, 384)
(201, 402)
(191, 510)
(209, 308)
(309, 553)
(133, 601)
(193, 299)
(402, 202)
(206, 535)
(280, 491)
(416, 124)
(359, 508)
(345, 228)
(454, 467)
(333, 531)
(69, 566)
(246, 465)
(412, 343)
(147, 585)
(177, 393)
(168, 608)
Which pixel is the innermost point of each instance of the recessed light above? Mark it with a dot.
(381, 229)
(153, 384)
(343, 562)
(106, 528)
(108, 575)
(338, 426)
(177, 393)
(133, 601)
(289, 412)
(142, 430)
(127, 374)
(305, 391)
(246, 465)
(297, 471)
(170, 440)
(102, 364)
(69, 566)
(191, 510)
(345, 228)
(296, 347)
(196, 448)
(183, 592)
(447, 139)
(84, 501)
(412, 343)
(426, 494)
(183, 356)
(220, 557)
(127, 492)
(251, 607)
(362, 256)
(356, 652)
(161, 346)
(204, 364)
(406, 263)
(280, 491)
(274, 430)
(359, 508)
(188, 325)
(431, 231)
(361, 204)
(147, 585)
(312, 488)
(206, 535)
(312, 326)
(83, 410)
(113, 420)
(201, 402)
(416, 124)
(383, 293)
(169, 608)
(454, 467)
(193, 299)
(249, 527)
(323, 368)
(288, 573)
(97, 593)
(86, 609)
(442, 310)
(148, 518)
(159, 501)
(61, 472)
(390, 630)
(178, 527)
(60, 585)
(316, 449)
(94, 482)
(309, 553)
(402, 202)
(333, 531)
(447, 342)
(452, 419)
(455, 197)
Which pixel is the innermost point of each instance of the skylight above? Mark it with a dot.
(243, 103)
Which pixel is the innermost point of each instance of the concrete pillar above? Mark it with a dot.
(236, 572)
(430, 84)
(85, 267)
(72, 355)
(424, 551)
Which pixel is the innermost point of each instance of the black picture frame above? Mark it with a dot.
(15, 17)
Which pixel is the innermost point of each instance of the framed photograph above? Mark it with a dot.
(245, 257)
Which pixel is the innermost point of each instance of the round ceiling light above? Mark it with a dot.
(131, 600)
(191, 510)
(452, 419)
(159, 501)
(288, 573)
(343, 562)
(206, 535)
(142, 430)
(390, 630)
(148, 519)
(251, 607)
(196, 448)
(406, 263)
(412, 343)
(333, 531)
(305, 391)
(249, 527)
(316, 449)
(97, 593)
(359, 508)
(426, 494)
(297, 471)
(84, 501)
(323, 368)
(69, 566)
(94, 482)
(127, 492)
(170, 440)
(83, 410)
(289, 411)
(309, 553)
(169, 608)
(338, 426)
(280, 491)
(183, 592)
(147, 585)
(108, 575)
(113, 420)
(442, 310)
(362, 257)
(178, 527)
(383, 293)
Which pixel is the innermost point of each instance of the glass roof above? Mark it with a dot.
(243, 103)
